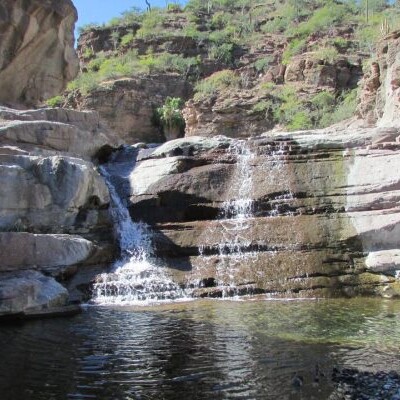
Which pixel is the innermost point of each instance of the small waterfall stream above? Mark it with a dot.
(236, 218)
(138, 276)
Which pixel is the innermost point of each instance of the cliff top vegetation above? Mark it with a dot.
(289, 55)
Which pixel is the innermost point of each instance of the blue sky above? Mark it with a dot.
(99, 11)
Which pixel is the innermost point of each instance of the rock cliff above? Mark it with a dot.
(54, 220)
(301, 214)
(323, 219)
(53, 214)
(37, 56)
(380, 93)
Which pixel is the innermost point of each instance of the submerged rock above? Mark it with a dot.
(353, 384)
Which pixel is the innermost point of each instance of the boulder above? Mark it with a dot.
(28, 292)
(79, 135)
(22, 250)
(384, 261)
(50, 193)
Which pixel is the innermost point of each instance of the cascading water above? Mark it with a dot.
(237, 213)
(138, 276)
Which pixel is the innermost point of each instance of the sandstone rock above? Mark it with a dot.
(321, 201)
(37, 56)
(307, 68)
(29, 291)
(21, 250)
(230, 114)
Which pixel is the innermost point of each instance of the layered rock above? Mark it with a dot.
(53, 214)
(324, 216)
(243, 112)
(37, 49)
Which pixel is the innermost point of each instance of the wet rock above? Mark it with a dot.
(384, 261)
(321, 201)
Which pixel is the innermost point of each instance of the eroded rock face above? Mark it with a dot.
(244, 112)
(324, 212)
(380, 87)
(37, 56)
(128, 105)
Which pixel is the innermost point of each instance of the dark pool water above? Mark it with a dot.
(199, 350)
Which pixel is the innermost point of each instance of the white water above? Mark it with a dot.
(138, 277)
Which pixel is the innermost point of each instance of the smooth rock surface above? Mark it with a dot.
(28, 291)
(21, 250)
(47, 193)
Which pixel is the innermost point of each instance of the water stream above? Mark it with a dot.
(137, 276)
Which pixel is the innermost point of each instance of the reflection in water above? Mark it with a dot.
(199, 350)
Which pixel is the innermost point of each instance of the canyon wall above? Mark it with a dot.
(37, 56)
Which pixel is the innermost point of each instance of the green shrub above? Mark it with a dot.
(296, 46)
(85, 83)
(328, 54)
(340, 43)
(56, 101)
(301, 120)
(88, 53)
(323, 100)
(169, 116)
(95, 64)
(152, 24)
(263, 63)
(88, 27)
(222, 37)
(344, 109)
(222, 53)
(127, 39)
(216, 82)
(321, 19)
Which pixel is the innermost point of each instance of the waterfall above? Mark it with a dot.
(236, 218)
(138, 276)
